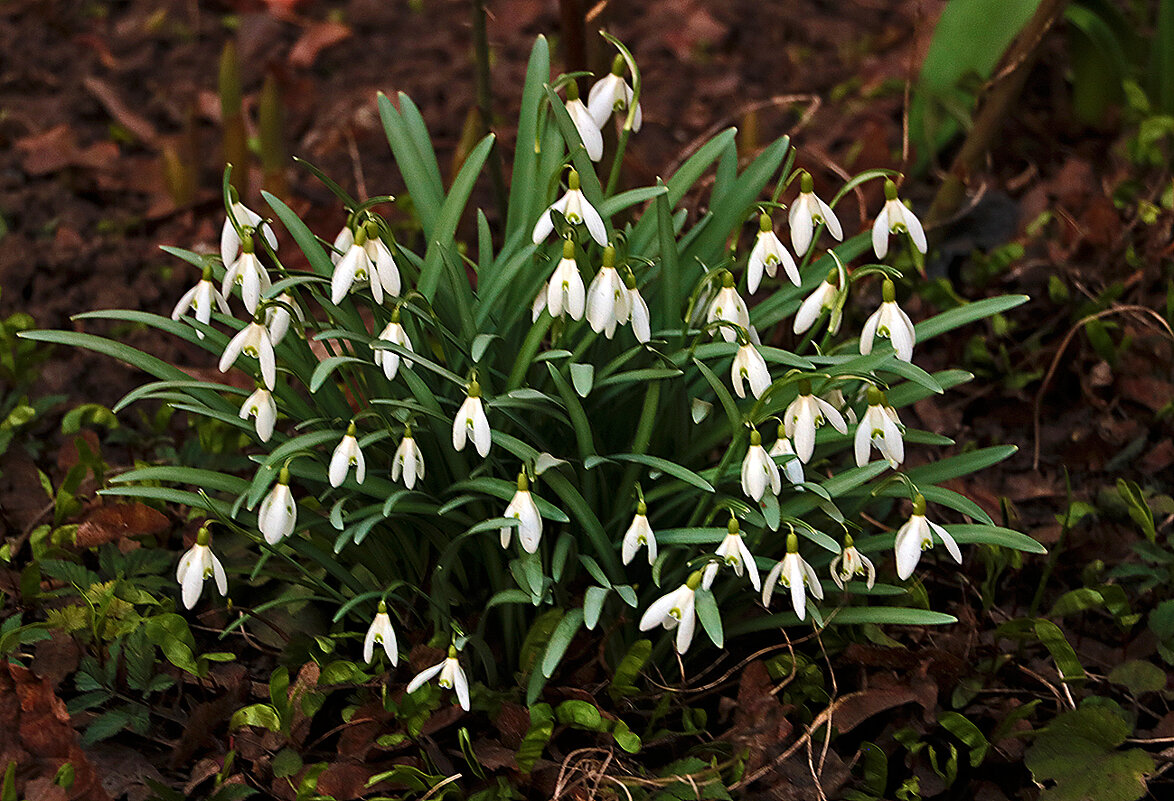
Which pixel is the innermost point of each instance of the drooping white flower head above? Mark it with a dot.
(452, 677)
(584, 123)
(278, 317)
(564, 291)
(759, 471)
(200, 299)
(381, 633)
(727, 305)
(395, 333)
(252, 340)
(795, 574)
(792, 468)
(895, 218)
(576, 210)
(198, 565)
(768, 253)
(385, 267)
(612, 93)
(880, 428)
(639, 534)
(824, 297)
(347, 454)
(357, 266)
(807, 212)
(805, 414)
(849, 563)
(261, 406)
(278, 513)
(676, 610)
(249, 274)
(471, 423)
(523, 509)
(733, 554)
(916, 535)
(408, 461)
(607, 297)
(889, 321)
(637, 309)
(748, 365)
(230, 241)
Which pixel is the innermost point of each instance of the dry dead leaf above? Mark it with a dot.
(314, 40)
(115, 521)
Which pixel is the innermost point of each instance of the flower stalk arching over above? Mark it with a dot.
(796, 575)
(849, 563)
(889, 321)
(381, 633)
(408, 461)
(612, 93)
(471, 423)
(804, 415)
(895, 218)
(879, 428)
(201, 299)
(676, 610)
(639, 535)
(452, 677)
(197, 566)
(759, 471)
(278, 514)
(734, 554)
(767, 254)
(346, 455)
(523, 509)
(806, 213)
(916, 535)
(576, 209)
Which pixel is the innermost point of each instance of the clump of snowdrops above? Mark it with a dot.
(583, 418)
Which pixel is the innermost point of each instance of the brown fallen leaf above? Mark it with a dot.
(56, 657)
(344, 780)
(139, 126)
(116, 521)
(314, 40)
(47, 152)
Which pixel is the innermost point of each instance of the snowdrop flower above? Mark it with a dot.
(805, 414)
(197, 566)
(347, 453)
(523, 509)
(916, 536)
(889, 321)
(366, 260)
(383, 634)
(807, 212)
(248, 273)
(895, 218)
(792, 468)
(576, 210)
(607, 297)
(612, 93)
(452, 677)
(584, 123)
(824, 297)
(758, 470)
(835, 396)
(278, 317)
(795, 574)
(377, 251)
(471, 423)
(676, 610)
(278, 513)
(749, 366)
(639, 534)
(849, 563)
(252, 340)
(408, 461)
(880, 427)
(564, 291)
(200, 300)
(733, 553)
(385, 357)
(637, 309)
(729, 307)
(768, 254)
(261, 406)
(230, 241)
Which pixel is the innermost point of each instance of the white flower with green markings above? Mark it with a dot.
(452, 677)
(576, 210)
(197, 566)
(278, 514)
(408, 462)
(676, 610)
(201, 299)
(263, 409)
(381, 633)
(896, 218)
(916, 535)
(805, 414)
(639, 535)
(880, 428)
(611, 93)
(347, 455)
(806, 213)
(793, 573)
(767, 254)
(850, 563)
(523, 509)
(471, 423)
